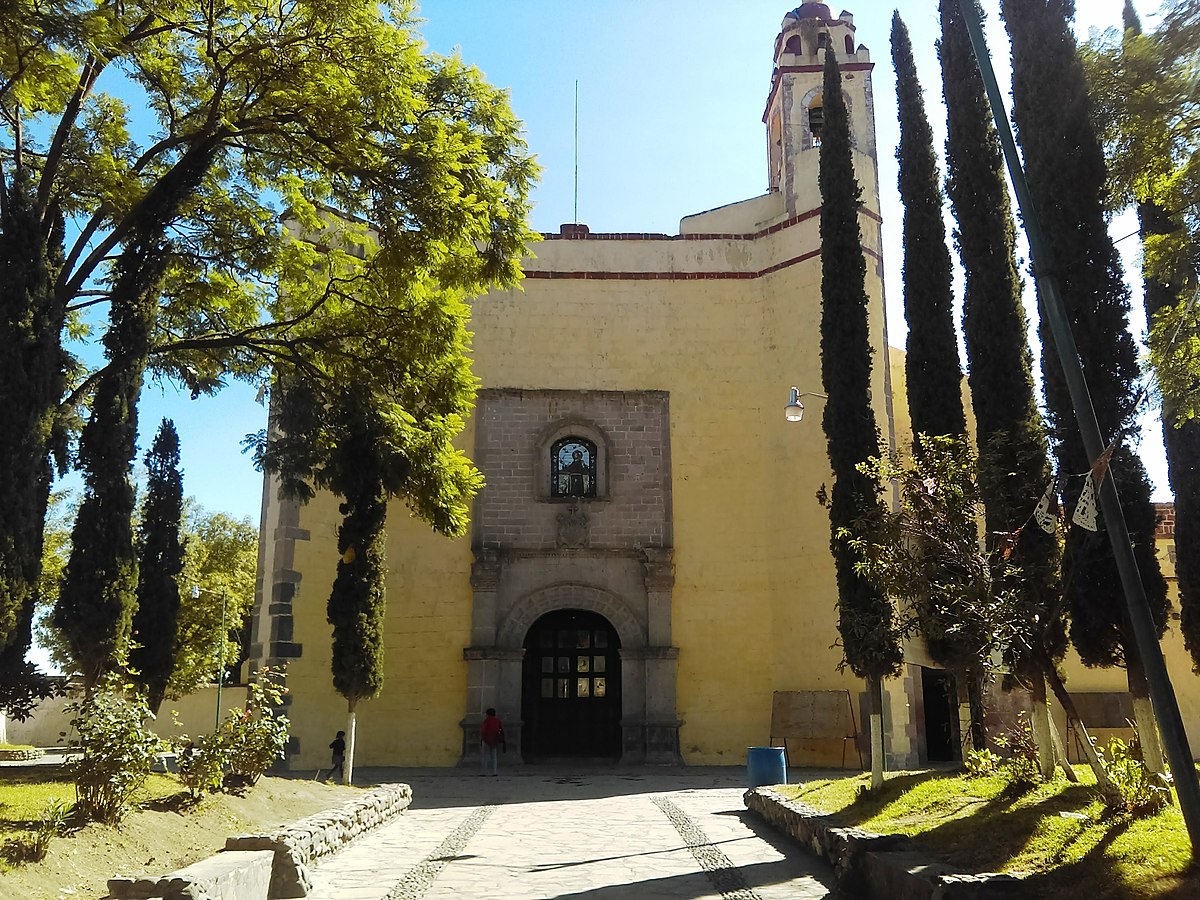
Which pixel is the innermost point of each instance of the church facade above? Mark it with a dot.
(648, 564)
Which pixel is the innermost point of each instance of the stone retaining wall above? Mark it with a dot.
(15, 755)
(299, 845)
(234, 874)
(875, 866)
(240, 875)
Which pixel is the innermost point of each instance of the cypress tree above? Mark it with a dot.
(160, 560)
(33, 375)
(1182, 440)
(95, 605)
(363, 469)
(358, 600)
(1066, 172)
(866, 620)
(1014, 465)
(931, 362)
(99, 593)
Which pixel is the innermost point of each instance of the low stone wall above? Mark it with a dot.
(20, 755)
(272, 865)
(240, 875)
(876, 866)
(299, 845)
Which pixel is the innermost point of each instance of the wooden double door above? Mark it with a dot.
(571, 687)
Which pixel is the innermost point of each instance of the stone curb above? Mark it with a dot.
(295, 848)
(303, 843)
(876, 866)
(21, 755)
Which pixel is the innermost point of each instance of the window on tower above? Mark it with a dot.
(793, 45)
(849, 45)
(822, 40)
(816, 121)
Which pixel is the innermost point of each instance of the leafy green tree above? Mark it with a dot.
(306, 107)
(1143, 87)
(931, 363)
(160, 561)
(866, 620)
(220, 559)
(1129, 80)
(1014, 465)
(1066, 171)
(962, 597)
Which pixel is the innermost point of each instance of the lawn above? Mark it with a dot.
(1057, 832)
(165, 831)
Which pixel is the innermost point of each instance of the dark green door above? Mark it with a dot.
(571, 689)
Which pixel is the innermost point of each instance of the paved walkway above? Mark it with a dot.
(548, 833)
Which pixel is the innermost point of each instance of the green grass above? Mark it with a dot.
(977, 824)
(25, 797)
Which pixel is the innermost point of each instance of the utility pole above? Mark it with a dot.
(1162, 695)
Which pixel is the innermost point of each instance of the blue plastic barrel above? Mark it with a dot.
(766, 765)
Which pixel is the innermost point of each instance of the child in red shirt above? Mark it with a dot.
(491, 741)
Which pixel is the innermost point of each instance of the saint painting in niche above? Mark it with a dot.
(573, 468)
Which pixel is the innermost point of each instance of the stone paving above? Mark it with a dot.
(542, 833)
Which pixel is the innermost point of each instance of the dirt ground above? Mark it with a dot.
(163, 838)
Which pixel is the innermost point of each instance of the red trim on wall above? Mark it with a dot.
(848, 67)
(699, 236)
(554, 275)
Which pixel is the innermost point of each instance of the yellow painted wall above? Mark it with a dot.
(196, 714)
(753, 608)
(415, 719)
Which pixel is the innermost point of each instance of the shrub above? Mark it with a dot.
(117, 749)
(1020, 767)
(981, 763)
(257, 735)
(48, 827)
(1139, 792)
(202, 763)
(35, 847)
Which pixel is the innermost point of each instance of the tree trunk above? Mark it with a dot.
(1143, 711)
(1060, 753)
(975, 703)
(348, 768)
(1042, 725)
(1060, 691)
(875, 691)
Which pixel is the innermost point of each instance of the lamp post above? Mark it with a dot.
(219, 649)
(793, 410)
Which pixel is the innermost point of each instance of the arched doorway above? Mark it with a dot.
(571, 687)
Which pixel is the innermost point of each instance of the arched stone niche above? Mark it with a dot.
(511, 634)
(649, 724)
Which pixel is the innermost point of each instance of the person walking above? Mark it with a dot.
(491, 742)
(338, 747)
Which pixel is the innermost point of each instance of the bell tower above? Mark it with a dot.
(794, 107)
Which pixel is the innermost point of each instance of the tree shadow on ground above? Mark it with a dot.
(179, 802)
(999, 828)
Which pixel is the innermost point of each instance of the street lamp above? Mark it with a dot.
(219, 649)
(793, 411)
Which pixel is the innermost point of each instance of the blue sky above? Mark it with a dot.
(671, 98)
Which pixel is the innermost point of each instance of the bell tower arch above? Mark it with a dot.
(794, 112)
